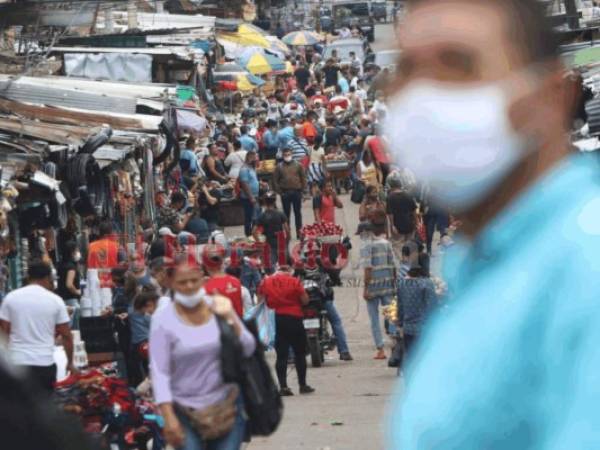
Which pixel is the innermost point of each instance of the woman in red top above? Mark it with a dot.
(324, 204)
(286, 295)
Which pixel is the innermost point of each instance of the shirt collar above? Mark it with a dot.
(531, 208)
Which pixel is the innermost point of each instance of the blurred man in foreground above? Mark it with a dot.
(481, 112)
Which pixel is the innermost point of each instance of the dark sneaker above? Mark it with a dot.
(346, 356)
(306, 389)
(286, 392)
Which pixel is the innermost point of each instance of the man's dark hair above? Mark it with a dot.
(243, 129)
(38, 270)
(177, 197)
(105, 229)
(237, 144)
(528, 25)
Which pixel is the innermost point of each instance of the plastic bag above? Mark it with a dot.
(265, 322)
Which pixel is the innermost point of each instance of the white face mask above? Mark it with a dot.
(459, 141)
(193, 300)
(287, 158)
(76, 256)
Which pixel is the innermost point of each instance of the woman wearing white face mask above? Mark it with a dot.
(185, 364)
(68, 286)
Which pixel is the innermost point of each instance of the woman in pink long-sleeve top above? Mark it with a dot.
(185, 352)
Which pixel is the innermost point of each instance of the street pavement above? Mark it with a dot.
(347, 411)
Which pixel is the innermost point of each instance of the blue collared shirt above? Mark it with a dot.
(248, 143)
(270, 139)
(513, 362)
(284, 135)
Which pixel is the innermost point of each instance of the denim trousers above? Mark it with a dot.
(231, 441)
(338, 328)
(289, 200)
(250, 215)
(375, 317)
(74, 303)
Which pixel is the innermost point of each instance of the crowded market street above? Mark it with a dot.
(299, 225)
(353, 397)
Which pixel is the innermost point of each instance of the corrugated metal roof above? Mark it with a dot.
(49, 95)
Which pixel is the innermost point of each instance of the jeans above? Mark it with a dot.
(289, 200)
(338, 328)
(74, 303)
(250, 278)
(433, 219)
(375, 317)
(231, 441)
(250, 215)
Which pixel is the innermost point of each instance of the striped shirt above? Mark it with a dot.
(378, 255)
(299, 148)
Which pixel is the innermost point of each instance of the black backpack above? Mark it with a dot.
(262, 401)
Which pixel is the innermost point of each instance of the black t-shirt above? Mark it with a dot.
(333, 136)
(402, 207)
(331, 75)
(62, 290)
(209, 212)
(302, 75)
(272, 221)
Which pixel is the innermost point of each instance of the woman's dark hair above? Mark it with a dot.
(143, 298)
(68, 250)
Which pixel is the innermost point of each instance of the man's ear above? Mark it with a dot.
(549, 104)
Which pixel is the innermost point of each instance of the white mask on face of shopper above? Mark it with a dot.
(457, 140)
(190, 301)
(287, 158)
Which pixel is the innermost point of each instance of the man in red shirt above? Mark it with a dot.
(378, 149)
(220, 282)
(286, 295)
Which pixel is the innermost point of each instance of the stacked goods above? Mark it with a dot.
(266, 166)
(322, 230)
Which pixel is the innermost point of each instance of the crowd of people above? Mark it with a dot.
(168, 293)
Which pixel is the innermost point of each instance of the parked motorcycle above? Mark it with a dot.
(319, 336)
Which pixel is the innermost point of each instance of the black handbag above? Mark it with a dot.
(262, 401)
(358, 192)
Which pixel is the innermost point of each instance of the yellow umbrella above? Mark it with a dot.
(247, 35)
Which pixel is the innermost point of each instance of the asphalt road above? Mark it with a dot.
(348, 409)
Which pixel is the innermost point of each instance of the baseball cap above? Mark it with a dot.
(166, 231)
